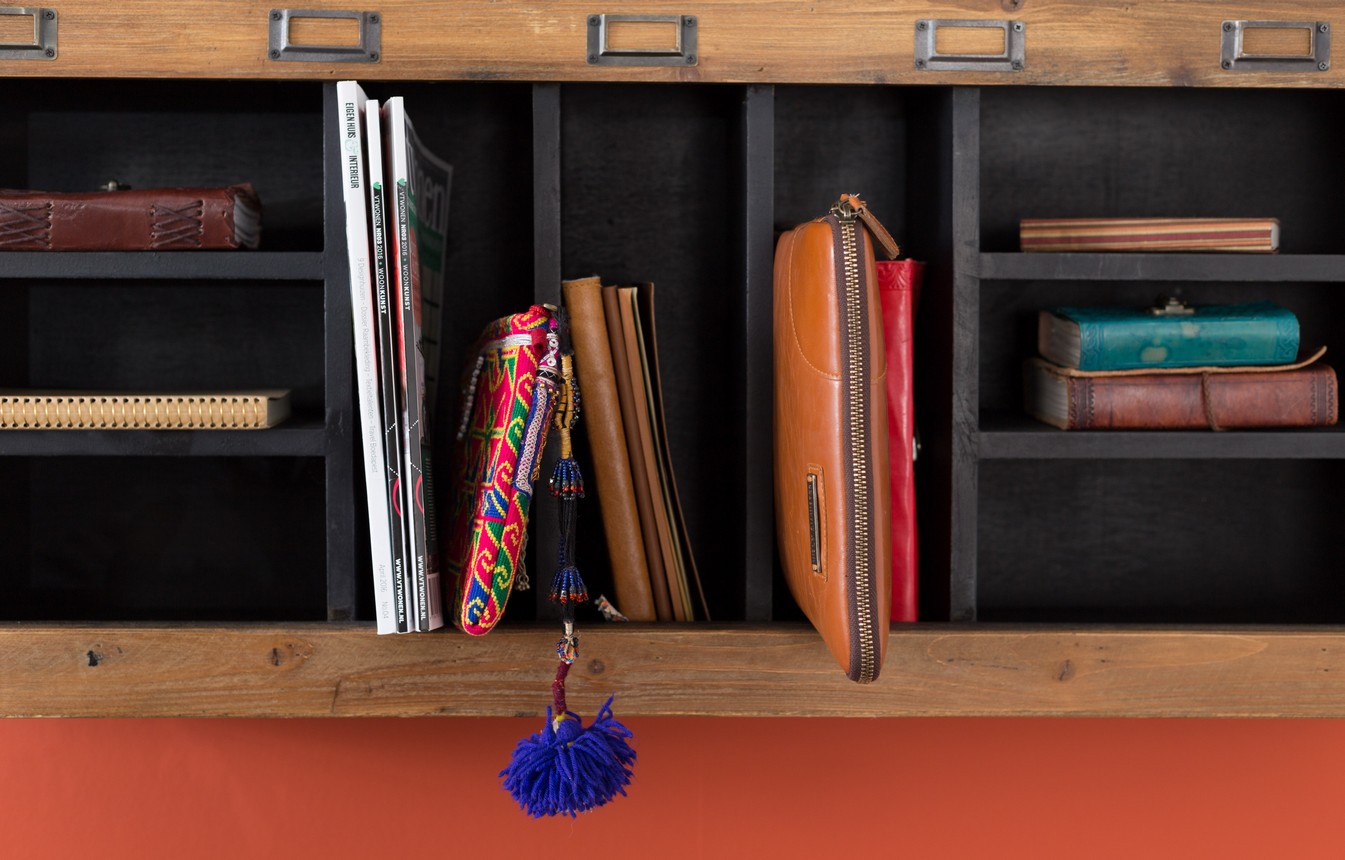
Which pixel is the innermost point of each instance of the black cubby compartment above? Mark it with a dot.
(1124, 152)
(1117, 527)
(1160, 541)
(177, 525)
(163, 539)
(1009, 319)
(62, 135)
(687, 188)
(172, 335)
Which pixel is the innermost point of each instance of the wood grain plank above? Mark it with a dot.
(722, 670)
(1069, 42)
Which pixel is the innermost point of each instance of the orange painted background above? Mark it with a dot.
(779, 788)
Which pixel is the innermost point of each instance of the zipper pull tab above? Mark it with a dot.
(850, 206)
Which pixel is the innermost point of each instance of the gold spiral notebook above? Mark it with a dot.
(33, 409)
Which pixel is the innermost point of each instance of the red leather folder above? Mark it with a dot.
(898, 293)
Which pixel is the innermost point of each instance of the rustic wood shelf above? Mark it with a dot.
(952, 158)
(327, 669)
(1068, 42)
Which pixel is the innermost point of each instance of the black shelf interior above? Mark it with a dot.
(682, 186)
(1139, 541)
(1009, 318)
(1088, 152)
(177, 525)
(77, 136)
(1144, 526)
(131, 538)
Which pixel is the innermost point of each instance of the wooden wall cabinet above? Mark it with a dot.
(159, 574)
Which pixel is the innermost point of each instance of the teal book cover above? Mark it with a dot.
(1175, 335)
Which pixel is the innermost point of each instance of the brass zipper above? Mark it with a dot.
(855, 311)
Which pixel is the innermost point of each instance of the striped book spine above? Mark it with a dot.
(1257, 235)
(85, 410)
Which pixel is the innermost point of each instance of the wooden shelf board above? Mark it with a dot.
(1068, 42)
(309, 670)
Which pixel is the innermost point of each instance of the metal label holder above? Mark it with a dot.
(1234, 58)
(280, 48)
(43, 46)
(681, 53)
(928, 59)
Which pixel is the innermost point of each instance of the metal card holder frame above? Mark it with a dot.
(279, 47)
(1233, 56)
(928, 59)
(681, 53)
(43, 46)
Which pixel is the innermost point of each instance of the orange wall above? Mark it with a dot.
(703, 788)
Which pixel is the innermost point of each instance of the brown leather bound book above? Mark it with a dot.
(648, 459)
(644, 497)
(686, 559)
(611, 463)
(151, 219)
(1215, 398)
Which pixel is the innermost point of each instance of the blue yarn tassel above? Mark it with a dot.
(566, 769)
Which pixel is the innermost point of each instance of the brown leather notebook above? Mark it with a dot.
(649, 459)
(611, 462)
(686, 559)
(644, 498)
(150, 219)
(1301, 395)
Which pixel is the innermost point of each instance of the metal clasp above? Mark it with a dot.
(1171, 306)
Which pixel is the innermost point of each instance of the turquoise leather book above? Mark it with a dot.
(1174, 335)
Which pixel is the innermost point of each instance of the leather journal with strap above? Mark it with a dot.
(149, 219)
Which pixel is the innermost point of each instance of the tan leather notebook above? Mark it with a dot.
(644, 496)
(649, 452)
(611, 461)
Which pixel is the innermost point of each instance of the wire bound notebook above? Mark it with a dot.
(105, 410)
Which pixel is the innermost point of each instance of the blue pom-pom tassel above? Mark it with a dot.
(566, 769)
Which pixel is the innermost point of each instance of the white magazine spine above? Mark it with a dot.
(350, 105)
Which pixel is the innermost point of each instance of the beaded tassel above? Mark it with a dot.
(565, 768)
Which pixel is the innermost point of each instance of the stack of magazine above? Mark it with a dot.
(395, 242)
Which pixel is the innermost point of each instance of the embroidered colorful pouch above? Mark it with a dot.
(508, 394)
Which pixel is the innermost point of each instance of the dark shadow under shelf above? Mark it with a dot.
(1010, 436)
(294, 438)
(186, 265)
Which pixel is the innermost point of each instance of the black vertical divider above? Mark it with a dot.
(756, 257)
(941, 217)
(339, 447)
(546, 243)
(965, 358)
